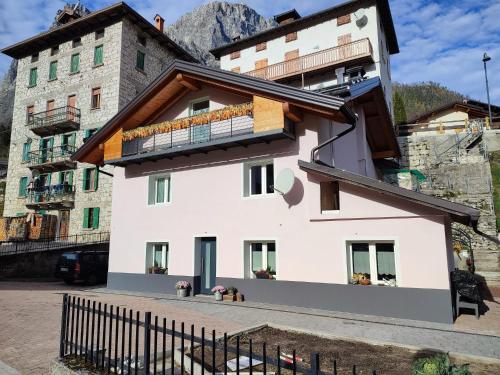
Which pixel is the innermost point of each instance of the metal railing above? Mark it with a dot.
(441, 127)
(122, 341)
(192, 134)
(53, 117)
(50, 155)
(54, 243)
(317, 60)
(51, 194)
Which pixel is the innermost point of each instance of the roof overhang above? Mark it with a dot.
(86, 24)
(458, 212)
(314, 19)
(181, 77)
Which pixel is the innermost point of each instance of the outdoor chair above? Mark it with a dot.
(461, 303)
(467, 294)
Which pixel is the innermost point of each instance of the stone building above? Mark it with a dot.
(71, 80)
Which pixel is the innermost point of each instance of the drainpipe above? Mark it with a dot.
(482, 234)
(352, 121)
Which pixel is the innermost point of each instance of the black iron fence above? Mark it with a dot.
(123, 341)
(50, 155)
(50, 194)
(48, 244)
(53, 116)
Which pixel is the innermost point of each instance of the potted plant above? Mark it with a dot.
(266, 274)
(231, 294)
(218, 291)
(182, 288)
(361, 279)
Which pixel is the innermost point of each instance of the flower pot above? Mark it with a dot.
(181, 292)
(218, 296)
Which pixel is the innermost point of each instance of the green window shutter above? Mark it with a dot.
(85, 179)
(86, 134)
(72, 139)
(140, 60)
(33, 76)
(26, 151)
(49, 179)
(151, 190)
(70, 178)
(51, 142)
(61, 177)
(98, 55)
(75, 63)
(95, 223)
(85, 218)
(23, 184)
(53, 70)
(96, 179)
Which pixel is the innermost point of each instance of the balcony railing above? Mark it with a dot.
(189, 133)
(52, 196)
(360, 49)
(54, 121)
(52, 159)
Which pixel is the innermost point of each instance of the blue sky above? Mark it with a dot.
(442, 41)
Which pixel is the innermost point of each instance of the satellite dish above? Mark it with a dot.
(361, 18)
(284, 181)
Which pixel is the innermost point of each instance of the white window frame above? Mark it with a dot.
(195, 101)
(247, 256)
(149, 259)
(247, 178)
(168, 190)
(373, 259)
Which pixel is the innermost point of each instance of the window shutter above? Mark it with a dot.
(75, 62)
(151, 190)
(51, 143)
(96, 179)
(98, 55)
(72, 139)
(49, 178)
(95, 224)
(53, 70)
(70, 178)
(85, 179)
(23, 182)
(61, 177)
(85, 217)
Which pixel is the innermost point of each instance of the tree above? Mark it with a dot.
(399, 109)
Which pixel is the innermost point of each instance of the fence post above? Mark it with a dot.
(147, 341)
(314, 364)
(63, 325)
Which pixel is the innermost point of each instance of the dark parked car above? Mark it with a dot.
(90, 267)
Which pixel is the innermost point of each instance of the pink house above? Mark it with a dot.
(199, 157)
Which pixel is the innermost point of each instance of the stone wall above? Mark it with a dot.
(462, 176)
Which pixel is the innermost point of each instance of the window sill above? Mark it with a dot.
(90, 191)
(330, 212)
(73, 73)
(160, 204)
(31, 86)
(95, 109)
(260, 196)
(97, 66)
(52, 80)
(140, 70)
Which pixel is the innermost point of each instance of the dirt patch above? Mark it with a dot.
(384, 359)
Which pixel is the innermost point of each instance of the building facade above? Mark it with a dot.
(320, 50)
(71, 80)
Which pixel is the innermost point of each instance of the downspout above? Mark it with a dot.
(352, 121)
(482, 234)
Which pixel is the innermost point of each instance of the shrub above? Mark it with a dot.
(438, 364)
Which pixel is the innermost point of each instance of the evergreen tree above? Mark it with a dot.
(399, 109)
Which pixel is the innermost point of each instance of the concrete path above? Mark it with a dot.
(372, 329)
(6, 370)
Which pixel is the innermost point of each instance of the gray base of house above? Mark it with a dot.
(433, 305)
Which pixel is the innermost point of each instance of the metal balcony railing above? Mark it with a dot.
(59, 194)
(192, 134)
(55, 120)
(333, 56)
(47, 156)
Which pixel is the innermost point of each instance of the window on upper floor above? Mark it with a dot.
(291, 55)
(342, 20)
(261, 47)
(235, 55)
(75, 63)
(141, 39)
(157, 257)
(344, 39)
(90, 179)
(54, 50)
(30, 111)
(91, 217)
(95, 102)
(258, 178)
(159, 191)
(53, 70)
(98, 55)
(140, 60)
(329, 196)
(26, 152)
(260, 64)
(89, 133)
(68, 142)
(77, 42)
(260, 259)
(34, 57)
(66, 178)
(99, 34)
(290, 37)
(199, 106)
(33, 77)
(372, 262)
(23, 187)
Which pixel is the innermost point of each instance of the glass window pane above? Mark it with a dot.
(158, 255)
(160, 190)
(256, 180)
(200, 107)
(269, 178)
(256, 256)
(360, 258)
(386, 268)
(271, 257)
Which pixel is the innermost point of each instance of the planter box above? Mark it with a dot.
(229, 297)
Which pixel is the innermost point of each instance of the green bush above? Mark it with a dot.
(438, 365)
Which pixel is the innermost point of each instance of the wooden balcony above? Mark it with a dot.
(51, 197)
(52, 159)
(54, 121)
(353, 53)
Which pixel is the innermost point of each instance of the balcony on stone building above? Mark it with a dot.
(51, 159)
(54, 121)
(50, 197)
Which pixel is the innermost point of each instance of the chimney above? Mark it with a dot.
(159, 22)
(340, 75)
(287, 17)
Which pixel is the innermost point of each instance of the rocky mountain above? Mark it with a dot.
(7, 88)
(214, 24)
